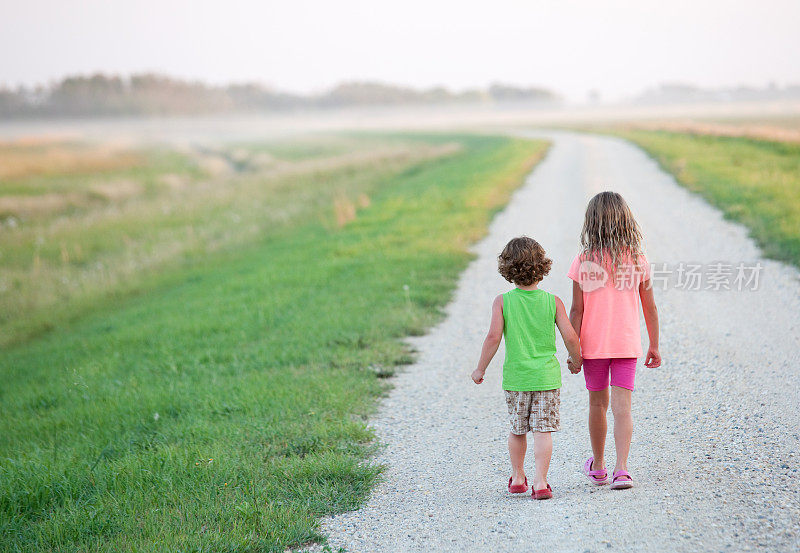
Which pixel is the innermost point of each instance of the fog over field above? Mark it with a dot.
(782, 117)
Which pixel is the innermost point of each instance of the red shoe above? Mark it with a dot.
(544, 493)
(518, 488)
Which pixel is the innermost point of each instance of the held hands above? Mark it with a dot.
(573, 365)
(653, 358)
(477, 376)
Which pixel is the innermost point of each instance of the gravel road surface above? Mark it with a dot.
(715, 448)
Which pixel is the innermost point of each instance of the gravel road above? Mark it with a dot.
(715, 448)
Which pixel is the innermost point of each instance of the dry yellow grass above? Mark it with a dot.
(117, 190)
(344, 209)
(26, 158)
(26, 206)
(34, 206)
(759, 130)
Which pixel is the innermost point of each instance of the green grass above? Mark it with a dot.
(170, 207)
(754, 182)
(225, 409)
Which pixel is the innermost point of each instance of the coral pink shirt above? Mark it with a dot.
(610, 326)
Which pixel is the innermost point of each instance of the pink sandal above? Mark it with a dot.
(618, 484)
(544, 493)
(597, 477)
(518, 488)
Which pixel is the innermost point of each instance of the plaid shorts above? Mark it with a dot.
(534, 411)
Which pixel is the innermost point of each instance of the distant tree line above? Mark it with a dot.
(679, 93)
(152, 94)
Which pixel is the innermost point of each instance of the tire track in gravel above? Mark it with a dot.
(715, 447)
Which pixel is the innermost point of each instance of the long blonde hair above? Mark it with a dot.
(610, 234)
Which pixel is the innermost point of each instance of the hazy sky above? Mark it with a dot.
(616, 46)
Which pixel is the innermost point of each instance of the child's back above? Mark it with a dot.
(529, 332)
(610, 324)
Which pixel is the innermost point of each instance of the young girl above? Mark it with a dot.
(611, 275)
(527, 317)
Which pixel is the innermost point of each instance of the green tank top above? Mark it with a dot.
(530, 335)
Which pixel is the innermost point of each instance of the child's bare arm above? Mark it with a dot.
(492, 341)
(576, 311)
(569, 335)
(650, 311)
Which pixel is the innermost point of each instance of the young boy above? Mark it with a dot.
(527, 317)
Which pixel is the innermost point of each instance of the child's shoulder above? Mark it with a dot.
(555, 299)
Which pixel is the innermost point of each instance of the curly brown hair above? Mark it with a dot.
(523, 261)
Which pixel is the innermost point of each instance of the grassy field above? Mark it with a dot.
(82, 222)
(754, 182)
(214, 396)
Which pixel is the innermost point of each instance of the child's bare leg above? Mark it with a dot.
(598, 406)
(517, 445)
(542, 451)
(623, 425)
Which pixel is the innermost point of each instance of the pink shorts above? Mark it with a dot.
(621, 371)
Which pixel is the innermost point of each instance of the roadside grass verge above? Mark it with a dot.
(225, 410)
(753, 182)
(114, 217)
